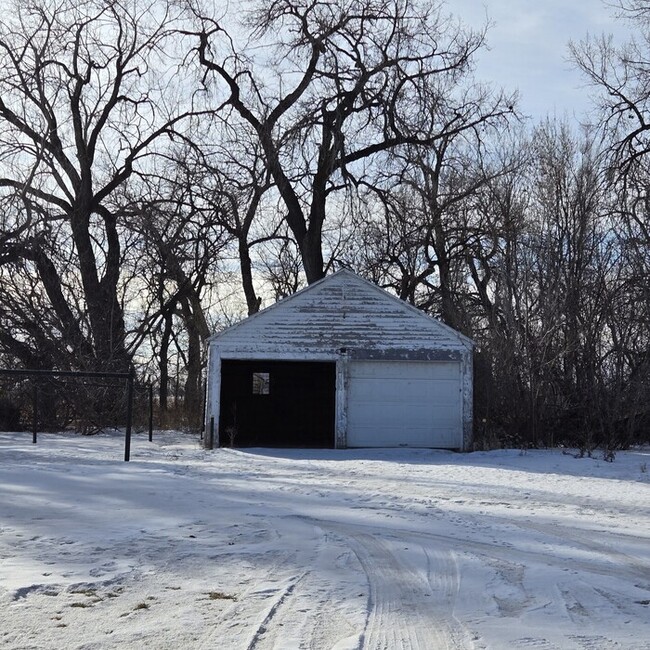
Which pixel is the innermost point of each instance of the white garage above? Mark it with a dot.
(340, 364)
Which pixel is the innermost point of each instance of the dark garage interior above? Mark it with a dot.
(277, 404)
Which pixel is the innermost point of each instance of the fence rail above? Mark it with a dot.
(34, 375)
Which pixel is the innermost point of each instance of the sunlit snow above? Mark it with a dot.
(187, 548)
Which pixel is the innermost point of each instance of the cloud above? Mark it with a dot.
(529, 48)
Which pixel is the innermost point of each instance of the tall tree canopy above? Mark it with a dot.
(86, 94)
(331, 88)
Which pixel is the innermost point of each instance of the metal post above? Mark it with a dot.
(204, 397)
(150, 412)
(210, 441)
(34, 412)
(129, 417)
(178, 369)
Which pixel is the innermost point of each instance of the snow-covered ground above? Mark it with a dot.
(186, 548)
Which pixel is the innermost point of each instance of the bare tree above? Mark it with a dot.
(85, 98)
(230, 178)
(334, 86)
(619, 76)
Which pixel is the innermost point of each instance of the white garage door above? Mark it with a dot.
(404, 403)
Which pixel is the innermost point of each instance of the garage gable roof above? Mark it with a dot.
(342, 310)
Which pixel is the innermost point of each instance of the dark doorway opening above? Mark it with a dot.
(277, 404)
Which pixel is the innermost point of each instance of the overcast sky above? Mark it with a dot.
(528, 48)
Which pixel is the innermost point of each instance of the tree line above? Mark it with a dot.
(165, 170)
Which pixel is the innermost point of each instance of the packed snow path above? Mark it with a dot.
(271, 549)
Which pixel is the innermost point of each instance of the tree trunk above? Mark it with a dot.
(192, 406)
(164, 362)
(245, 265)
(312, 256)
(104, 309)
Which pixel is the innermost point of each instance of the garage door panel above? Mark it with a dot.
(443, 417)
(390, 414)
(404, 404)
(395, 370)
(375, 390)
(444, 395)
(395, 413)
(401, 425)
(418, 437)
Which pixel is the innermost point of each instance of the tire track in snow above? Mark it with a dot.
(407, 609)
(322, 608)
(593, 541)
(599, 565)
(232, 628)
(277, 601)
(448, 633)
(288, 609)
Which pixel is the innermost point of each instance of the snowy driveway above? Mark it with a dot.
(269, 549)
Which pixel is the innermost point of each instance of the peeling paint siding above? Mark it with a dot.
(309, 354)
(339, 313)
(401, 354)
(284, 353)
(467, 374)
(214, 394)
(341, 416)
